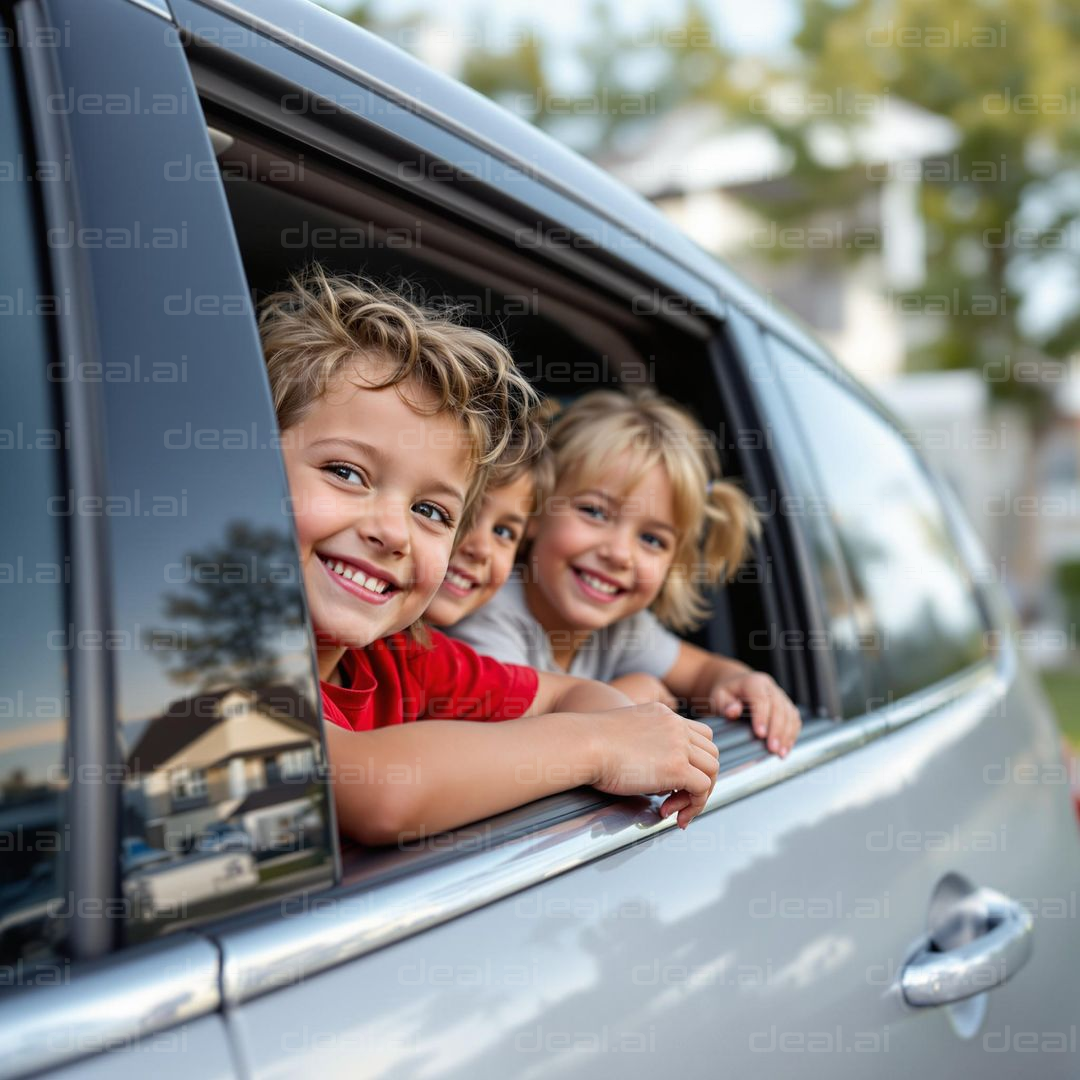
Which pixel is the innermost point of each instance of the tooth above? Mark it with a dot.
(348, 573)
(338, 566)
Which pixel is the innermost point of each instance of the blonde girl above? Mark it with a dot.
(639, 527)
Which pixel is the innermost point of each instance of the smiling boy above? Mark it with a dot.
(391, 417)
(483, 558)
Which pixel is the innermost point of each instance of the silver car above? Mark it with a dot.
(896, 897)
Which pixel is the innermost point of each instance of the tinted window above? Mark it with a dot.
(810, 511)
(224, 805)
(912, 604)
(33, 573)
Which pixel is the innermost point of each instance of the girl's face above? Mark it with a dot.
(602, 551)
(483, 560)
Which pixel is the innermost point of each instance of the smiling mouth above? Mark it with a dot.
(375, 587)
(458, 583)
(597, 587)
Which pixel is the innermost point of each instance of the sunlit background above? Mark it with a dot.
(902, 174)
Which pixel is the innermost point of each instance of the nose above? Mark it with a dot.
(387, 527)
(617, 548)
(476, 546)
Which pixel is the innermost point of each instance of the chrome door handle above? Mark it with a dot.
(936, 977)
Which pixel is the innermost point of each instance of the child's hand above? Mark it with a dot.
(775, 719)
(643, 689)
(649, 750)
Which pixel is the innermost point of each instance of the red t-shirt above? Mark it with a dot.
(395, 681)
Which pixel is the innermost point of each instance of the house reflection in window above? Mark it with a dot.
(203, 761)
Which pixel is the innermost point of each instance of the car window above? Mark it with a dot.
(214, 723)
(914, 610)
(34, 572)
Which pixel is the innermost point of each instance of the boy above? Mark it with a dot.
(391, 416)
(483, 558)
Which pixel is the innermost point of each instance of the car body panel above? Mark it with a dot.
(199, 1048)
(768, 937)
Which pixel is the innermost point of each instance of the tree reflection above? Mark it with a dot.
(240, 600)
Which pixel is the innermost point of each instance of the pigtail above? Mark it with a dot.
(730, 523)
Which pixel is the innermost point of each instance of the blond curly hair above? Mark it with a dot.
(714, 519)
(313, 330)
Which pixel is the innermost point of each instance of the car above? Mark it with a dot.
(896, 896)
(223, 836)
(137, 854)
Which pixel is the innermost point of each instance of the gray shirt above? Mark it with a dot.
(505, 629)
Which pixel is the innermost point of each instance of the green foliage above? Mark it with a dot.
(1004, 73)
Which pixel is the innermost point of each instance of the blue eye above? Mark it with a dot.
(597, 513)
(343, 471)
(653, 541)
(504, 532)
(432, 512)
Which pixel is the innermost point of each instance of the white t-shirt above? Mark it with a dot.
(505, 629)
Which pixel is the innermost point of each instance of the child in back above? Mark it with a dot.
(638, 525)
(484, 556)
(391, 418)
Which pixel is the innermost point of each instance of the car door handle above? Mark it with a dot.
(937, 977)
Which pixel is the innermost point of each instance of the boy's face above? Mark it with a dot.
(485, 557)
(601, 552)
(377, 490)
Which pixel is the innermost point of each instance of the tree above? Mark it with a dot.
(242, 598)
(1005, 75)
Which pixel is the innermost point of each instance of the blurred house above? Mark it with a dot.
(842, 272)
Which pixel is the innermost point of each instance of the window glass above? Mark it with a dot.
(810, 511)
(912, 604)
(34, 572)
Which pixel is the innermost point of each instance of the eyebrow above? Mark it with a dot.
(382, 458)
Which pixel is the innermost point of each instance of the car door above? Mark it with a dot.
(772, 937)
(986, 796)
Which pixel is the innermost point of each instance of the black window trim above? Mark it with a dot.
(93, 805)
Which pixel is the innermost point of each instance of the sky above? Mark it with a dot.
(768, 29)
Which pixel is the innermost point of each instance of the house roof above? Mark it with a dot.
(189, 719)
(698, 147)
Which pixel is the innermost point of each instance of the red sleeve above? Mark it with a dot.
(460, 684)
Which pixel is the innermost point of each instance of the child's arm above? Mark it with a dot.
(641, 687)
(724, 686)
(410, 780)
(568, 693)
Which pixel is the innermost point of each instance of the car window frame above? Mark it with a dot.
(261, 951)
(93, 810)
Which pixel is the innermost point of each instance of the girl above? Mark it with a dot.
(638, 527)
